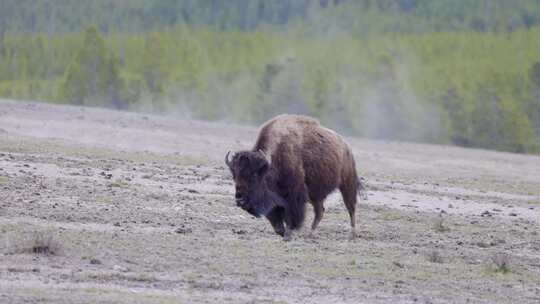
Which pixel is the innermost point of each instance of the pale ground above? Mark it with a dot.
(140, 210)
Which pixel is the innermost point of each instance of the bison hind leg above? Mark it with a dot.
(318, 209)
(349, 193)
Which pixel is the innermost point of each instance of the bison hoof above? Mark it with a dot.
(280, 232)
(287, 236)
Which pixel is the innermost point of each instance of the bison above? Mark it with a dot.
(295, 160)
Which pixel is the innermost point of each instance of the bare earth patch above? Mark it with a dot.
(99, 206)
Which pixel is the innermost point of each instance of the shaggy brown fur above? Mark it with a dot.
(295, 160)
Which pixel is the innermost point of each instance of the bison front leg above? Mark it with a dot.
(294, 213)
(276, 217)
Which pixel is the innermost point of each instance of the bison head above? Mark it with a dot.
(249, 170)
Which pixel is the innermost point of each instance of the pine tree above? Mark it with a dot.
(93, 77)
(154, 67)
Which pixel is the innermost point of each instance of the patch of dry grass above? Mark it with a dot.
(38, 243)
(501, 263)
(434, 257)
(439, 225)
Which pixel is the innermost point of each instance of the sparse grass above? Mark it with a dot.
(36, 145)
(434, 257)
(501, 263)
(114, 276)
(39, 243)
(439, 225)
(118, 184)
(3, 179)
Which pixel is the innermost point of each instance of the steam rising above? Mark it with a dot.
(382, 108)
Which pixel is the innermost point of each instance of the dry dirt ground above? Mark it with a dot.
(99, 206)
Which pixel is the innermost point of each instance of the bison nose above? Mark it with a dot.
(240, 203)
(240, 199)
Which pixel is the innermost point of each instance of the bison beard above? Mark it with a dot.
(295, 160)
(263, 203)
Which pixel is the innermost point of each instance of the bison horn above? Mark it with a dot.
(227, 160)
(268, 159)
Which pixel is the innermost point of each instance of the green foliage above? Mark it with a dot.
(154, 66)
(93, 75)
(535, 74)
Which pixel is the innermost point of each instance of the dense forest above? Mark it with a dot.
(464, 72)
(354, 16)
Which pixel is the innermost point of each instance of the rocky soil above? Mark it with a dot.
(100, 206)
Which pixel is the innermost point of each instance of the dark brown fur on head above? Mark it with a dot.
(249, 170)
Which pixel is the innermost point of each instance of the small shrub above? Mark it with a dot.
(439, 226)
(40, 243)
(501, 263)
(434, 257)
